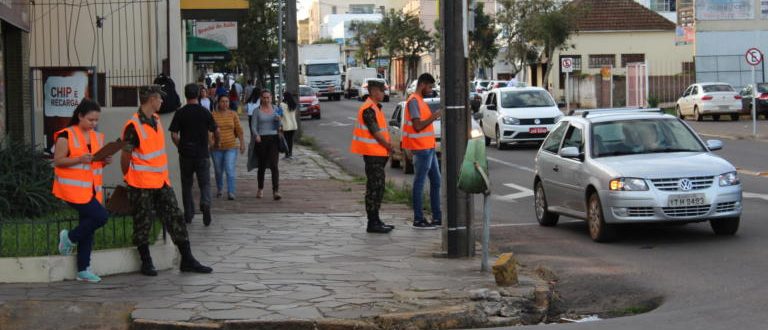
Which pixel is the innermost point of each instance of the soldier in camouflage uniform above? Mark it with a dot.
(143, 171)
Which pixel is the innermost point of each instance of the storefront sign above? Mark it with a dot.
(223, 32)
(714, 10)
(63, 89)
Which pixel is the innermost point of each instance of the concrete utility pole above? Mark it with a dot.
(292, 59)
(458, 239)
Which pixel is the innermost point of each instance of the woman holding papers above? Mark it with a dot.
(78, 181)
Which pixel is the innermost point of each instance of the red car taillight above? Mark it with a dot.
(763, 96)
(706, 97)
(738, 97)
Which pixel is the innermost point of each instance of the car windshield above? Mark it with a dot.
(484, 83)
(306, 91)
(717, 88)
(645, 136)
(329, 69)
(526, 99)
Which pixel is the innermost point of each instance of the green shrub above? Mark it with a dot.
(653, 102)
(26, 178)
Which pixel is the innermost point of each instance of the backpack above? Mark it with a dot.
(171, 100)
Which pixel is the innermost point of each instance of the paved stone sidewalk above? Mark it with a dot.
(297, 259)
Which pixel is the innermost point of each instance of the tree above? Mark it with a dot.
(391, 34)
(415, 41)
(257, 48)
(536, 28)
(482, 41)
(368, 40)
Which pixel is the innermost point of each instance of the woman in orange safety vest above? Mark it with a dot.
(78, 181)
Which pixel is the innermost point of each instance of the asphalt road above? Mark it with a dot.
(698, 280)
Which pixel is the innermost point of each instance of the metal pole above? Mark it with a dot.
(486, 230)
(754, 103)
(292, 59)
(457, 234)
(567, 98)
(279, 88)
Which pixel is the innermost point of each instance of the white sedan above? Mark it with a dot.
(705, 99)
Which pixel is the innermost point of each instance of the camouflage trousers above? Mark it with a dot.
(374, 183)
(161, 203)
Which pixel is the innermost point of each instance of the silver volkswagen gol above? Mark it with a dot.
(633, 166)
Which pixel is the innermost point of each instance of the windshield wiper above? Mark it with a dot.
(673, 150)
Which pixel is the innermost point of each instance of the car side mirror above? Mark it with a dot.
(714, 145)
(394, 123)
(491, 107)
(570, 152)
(477, 115)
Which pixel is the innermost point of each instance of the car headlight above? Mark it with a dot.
(729, 179)
(628, 184)
(510, 121)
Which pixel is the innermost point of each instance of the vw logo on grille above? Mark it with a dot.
(685, 184)
(537, 121)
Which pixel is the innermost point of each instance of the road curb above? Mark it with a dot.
(525, 304)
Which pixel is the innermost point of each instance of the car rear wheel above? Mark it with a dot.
(735, 117)
(499, 145)
(697, 115)
(598, 229)
(544, 217)
(725, 227)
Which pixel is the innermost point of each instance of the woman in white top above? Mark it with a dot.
(253, 103)
(205, 101)
(289, 122)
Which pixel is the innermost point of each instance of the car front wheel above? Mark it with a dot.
(598, 229)
(544, 217)
(679, 113)
(499, 145)
(725, 227)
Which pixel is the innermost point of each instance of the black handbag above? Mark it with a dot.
(282, 147)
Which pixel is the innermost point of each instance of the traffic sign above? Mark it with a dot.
(566, 64)
(754, 56)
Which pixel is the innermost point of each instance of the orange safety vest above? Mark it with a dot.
(424, 139)
(79, 183)
(363, 142)
(148, 167)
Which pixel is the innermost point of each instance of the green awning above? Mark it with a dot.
(200, 45)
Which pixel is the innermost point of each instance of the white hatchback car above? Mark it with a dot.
(364, 89)
(518, 114)
(704, 99)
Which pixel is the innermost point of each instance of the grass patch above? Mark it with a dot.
(308, 141)
(40, 236)
(404, 195)
(669, 111)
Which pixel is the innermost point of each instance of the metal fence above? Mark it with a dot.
(731, 69)
(40, 237)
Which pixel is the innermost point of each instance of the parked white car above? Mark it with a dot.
(364, 89)
(515, 114)
(709, 99)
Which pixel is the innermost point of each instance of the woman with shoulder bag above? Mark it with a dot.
(265, 128)
(78, 181)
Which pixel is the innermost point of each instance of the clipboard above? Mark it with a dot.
(108, 150)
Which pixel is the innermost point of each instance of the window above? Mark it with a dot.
(576, 60)
(526, 99)
(552, 143)
(599, 61)
(491, 99)
(574, 138)
(717, 88)
(663, 5)
(695, 90)
(631, 58)
(333, 10)
(361, 9)
(632, 137)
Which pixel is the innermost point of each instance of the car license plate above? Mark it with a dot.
(687, 200)
(537, 130)
(724, 108)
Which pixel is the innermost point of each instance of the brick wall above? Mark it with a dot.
(18, 98)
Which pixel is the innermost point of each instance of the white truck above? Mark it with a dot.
(320, 68)
(354, 80)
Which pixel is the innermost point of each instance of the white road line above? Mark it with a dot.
(519, 167)
(335, 124)
(755, 196)
(524, 192)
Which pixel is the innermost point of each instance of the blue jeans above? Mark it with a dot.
(93, 216)
(425, 164)
(224, 161)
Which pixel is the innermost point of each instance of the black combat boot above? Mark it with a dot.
(147, 268)
(375, 225)
(188, 262)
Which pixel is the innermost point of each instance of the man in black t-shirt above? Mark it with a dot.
(190, 129)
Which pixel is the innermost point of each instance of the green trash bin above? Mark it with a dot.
(473, 176)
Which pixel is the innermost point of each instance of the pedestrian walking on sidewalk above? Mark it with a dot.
(266, 127)
(205, 100)
(252, 105)
(78, 181)
(225, 151)
(370, 138)
(289, 122)
(190, 129)
(144, 163)
(419, 137)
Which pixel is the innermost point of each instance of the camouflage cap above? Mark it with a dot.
(146, 91)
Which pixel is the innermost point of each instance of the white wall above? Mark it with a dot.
(713, 62)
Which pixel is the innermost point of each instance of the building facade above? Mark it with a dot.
(303, 32)
(15, 99)
(322, 8)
